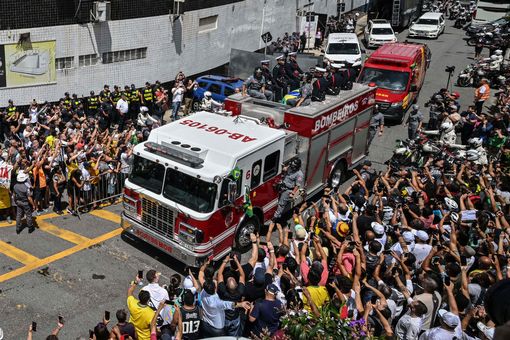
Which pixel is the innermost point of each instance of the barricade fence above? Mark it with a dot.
(104, 188)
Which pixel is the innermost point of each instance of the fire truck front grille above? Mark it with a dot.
(383, 106)
(158, 218)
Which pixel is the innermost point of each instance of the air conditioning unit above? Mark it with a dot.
(101, 11)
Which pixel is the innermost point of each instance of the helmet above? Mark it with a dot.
(494, 57)
(472, 155)
(207, 94)
(144, 109)
(451, 204)
(498, 52)
(446, 126)
(416, 107)
(489, 34)
(456, 95)
(475, 142)
(438, 97)
(295, 164)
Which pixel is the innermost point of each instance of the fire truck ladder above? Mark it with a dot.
(395, 15)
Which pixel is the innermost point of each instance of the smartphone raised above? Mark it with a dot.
(91, 334)
(34, 326)
(61, 319)
(140, 274)
(107, 315)
(169, 302)
(373, 299)
(463, 260)
(289, 235)
(447, 280)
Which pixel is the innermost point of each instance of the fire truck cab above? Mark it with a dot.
(193, 179)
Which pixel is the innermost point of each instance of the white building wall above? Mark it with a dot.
(171, 46)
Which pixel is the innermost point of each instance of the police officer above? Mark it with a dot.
(92, 104)
(105, 96)
(12, 112)
(255, 86)
(305, 93)
(75, 102)
(148, 97)
(67, 101)
(320, 85)
(280, 76)
(116, 94)
(376, 123)
(134, 101)
(414, 121)
(291, 184)
(293, 71)
(24, 202)
(271, 83)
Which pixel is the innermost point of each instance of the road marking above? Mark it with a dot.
(4, 224)
(61, 233)
(107, 215)
(42, 262)
(17, 254)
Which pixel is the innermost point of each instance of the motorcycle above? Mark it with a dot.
(461, 21)
(454, 12)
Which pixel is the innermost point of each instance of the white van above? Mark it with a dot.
(343, 48)
(487, 11)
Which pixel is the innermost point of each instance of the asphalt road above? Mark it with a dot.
(79, 268)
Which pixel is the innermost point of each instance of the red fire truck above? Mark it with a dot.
(191, 178)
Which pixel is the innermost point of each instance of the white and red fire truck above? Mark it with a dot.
(191, 177)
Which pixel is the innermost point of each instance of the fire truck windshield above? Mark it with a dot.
(147, 174)
(189, 191)
(386, 79)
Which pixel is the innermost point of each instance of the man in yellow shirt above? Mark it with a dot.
(140, 313)
(318, 294)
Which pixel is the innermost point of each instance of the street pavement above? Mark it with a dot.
(80, 267)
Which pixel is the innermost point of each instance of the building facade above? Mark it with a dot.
(51, 47)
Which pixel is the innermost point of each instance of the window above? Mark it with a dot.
(125, 55)
(228, 91)
(271, 164)
(207, 23)
(88, 60)
(202, 84)
(255, 173)
(147, 174)
(215, 88)
(64, 63)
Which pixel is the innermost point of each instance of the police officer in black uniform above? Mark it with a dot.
(319, 85)
(75, 102)
(134, 102)
(116, 94)
(148, 97)
(92, 104)
(67, 101)
(280, 76)
(270, 82)
(293, 71)
(105, 96)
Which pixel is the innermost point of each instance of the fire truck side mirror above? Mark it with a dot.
(232, 192)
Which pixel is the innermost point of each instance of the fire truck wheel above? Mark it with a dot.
(337, 176)
(248, 226)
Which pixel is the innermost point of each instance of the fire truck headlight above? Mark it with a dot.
(217, 179)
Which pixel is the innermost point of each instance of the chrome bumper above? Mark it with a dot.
(169, 246)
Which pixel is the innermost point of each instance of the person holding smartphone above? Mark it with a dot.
(140, 312)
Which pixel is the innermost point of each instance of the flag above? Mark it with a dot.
(248, 208)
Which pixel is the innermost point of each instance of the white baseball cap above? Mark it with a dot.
(422, 235)
(449, 318)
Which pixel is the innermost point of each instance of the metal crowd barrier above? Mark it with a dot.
(104, 188)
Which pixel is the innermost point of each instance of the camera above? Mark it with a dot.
(449, 69)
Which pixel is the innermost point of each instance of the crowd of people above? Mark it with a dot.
(78, 149)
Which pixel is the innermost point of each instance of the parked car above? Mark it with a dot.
(343, 48)
(220, 86)
(429, 25)
(379, 32)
